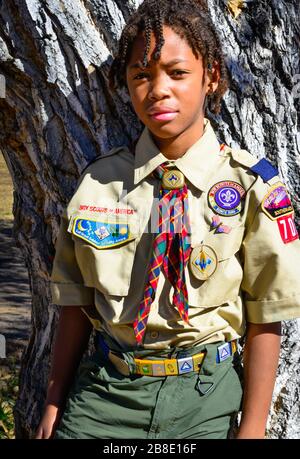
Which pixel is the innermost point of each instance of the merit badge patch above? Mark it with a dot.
(203, 262)
(277, 206)
(101, 235)
(226, 198)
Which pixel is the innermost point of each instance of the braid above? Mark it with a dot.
(191, 20)
(159, 32)
(148, 29)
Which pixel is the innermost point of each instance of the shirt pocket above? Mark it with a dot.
(224, 284)
(108, 268)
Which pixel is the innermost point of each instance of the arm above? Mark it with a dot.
(71, 340)
(261, 356)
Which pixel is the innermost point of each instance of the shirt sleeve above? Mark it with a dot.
(270, 286)
(67, 287)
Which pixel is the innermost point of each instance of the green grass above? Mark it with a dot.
(6, 191)
(8, 396)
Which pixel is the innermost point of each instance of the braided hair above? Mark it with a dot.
(191, 20)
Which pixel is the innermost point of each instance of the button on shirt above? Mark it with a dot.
(256, 277)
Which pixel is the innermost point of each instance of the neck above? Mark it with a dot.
(175, 147)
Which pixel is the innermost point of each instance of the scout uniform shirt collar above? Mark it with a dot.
(195, 164)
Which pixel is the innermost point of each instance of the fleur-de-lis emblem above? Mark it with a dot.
(203, 261)
(227, 196)
(173, 178)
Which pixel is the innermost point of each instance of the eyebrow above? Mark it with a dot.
(139, 65)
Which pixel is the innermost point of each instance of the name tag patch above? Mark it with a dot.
(101, 235)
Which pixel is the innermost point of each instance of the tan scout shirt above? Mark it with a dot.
(257, 274)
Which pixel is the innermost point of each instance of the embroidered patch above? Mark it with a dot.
(203, 262)
(287, 228)
(226, 198)
(277, 206)
(276, 202)
(101, 235)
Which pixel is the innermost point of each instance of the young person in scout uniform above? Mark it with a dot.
(172, 251)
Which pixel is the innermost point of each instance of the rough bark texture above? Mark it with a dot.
(59, 113)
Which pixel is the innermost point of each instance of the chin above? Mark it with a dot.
(166, 131)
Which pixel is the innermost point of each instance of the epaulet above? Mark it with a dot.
(261, 167)
(97, 158)
(265, 169)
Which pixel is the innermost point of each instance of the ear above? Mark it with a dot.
(213, 76)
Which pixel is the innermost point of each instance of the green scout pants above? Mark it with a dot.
(105, 404)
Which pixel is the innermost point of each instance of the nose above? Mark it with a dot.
(159, 89)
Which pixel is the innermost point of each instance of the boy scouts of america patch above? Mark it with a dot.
(277, 206)
(226, 198)
(101, 235)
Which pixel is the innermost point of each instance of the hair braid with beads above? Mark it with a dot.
(191, 20)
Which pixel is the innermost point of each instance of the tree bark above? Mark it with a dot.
(58, 113)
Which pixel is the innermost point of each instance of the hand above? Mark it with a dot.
(49, 422)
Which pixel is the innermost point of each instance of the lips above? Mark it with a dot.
(162, 113)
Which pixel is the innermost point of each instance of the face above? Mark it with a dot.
(169, 94)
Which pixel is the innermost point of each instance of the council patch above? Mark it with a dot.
(277, 206)
(276, 202)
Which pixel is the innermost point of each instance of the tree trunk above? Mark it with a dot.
(58, 113)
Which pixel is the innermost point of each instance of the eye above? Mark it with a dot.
(141, 76)
(178, 73)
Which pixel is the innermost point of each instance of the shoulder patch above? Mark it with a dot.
(110, 153)
(264, 169)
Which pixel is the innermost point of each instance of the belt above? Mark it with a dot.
(165, 367)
